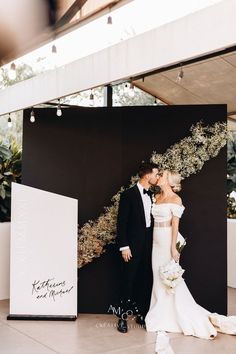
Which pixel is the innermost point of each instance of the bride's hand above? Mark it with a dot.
(175, 254)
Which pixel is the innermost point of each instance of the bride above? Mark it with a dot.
(176, 312)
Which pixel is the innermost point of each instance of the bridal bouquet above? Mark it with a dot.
(181, 242)
(171, 275)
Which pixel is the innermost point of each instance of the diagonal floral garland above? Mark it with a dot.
(186, 157)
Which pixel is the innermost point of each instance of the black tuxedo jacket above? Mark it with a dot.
(131, 224)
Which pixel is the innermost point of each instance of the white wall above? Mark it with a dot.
(203, 32)
(4, 260)
(231, 248)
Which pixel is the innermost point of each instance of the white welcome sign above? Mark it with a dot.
(43, 260)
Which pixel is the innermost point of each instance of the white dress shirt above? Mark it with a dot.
(147, 204)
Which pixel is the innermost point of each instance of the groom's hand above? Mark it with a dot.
(126, 254)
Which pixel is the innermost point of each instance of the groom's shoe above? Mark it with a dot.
(140, 319)
(122, 326)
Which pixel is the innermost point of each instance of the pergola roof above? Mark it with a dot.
(209, 81)
(72, 12)
(151, 59)
(33, 24)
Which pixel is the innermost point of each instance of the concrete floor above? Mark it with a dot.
(97, 334)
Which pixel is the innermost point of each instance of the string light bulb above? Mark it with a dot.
(54, 49)
(109, 20)
(9, 122)
(131, 90)
(91, 98)
(32, 116)
(180, 74)
(126, 88)
(12, 72)
(59, 111)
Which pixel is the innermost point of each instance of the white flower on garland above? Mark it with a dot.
(189, 155)
(186, 157)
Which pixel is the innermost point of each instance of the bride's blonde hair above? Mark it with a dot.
(174, 179)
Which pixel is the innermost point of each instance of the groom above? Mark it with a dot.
(134, 238)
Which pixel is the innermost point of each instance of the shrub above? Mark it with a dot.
(10, 171)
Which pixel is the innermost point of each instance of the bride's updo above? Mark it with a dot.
(174, 179)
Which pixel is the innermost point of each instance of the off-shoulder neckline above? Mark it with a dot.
(169, 203)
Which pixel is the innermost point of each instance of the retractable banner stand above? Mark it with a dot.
(43, 265)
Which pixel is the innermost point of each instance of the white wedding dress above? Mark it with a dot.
(177, 312)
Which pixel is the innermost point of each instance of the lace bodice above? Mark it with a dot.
(165, 211)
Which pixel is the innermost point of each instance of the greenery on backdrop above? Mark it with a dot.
(10, 171)
(186, 157)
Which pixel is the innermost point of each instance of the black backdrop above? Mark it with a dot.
(88, 153)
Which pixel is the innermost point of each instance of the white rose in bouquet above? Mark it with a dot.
(171, 273)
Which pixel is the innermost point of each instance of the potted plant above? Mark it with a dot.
(231, 176)
(231, 209)
(10, 171)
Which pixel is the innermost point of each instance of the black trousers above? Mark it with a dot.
(136, 276)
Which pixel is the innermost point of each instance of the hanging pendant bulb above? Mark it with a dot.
(131, 90)
(59, 111)
(9, 122)
(126, 88)
(53, 57)
(91, 98)
(54, 49)
(180, 74)
(32, 116)
(109, 20)
(12, 72)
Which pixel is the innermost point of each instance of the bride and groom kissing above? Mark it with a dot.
(147, 232)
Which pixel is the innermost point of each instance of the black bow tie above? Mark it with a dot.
(148, 192)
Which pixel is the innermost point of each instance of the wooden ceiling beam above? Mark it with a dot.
(70, 13)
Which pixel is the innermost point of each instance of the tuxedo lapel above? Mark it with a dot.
(140, 203)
